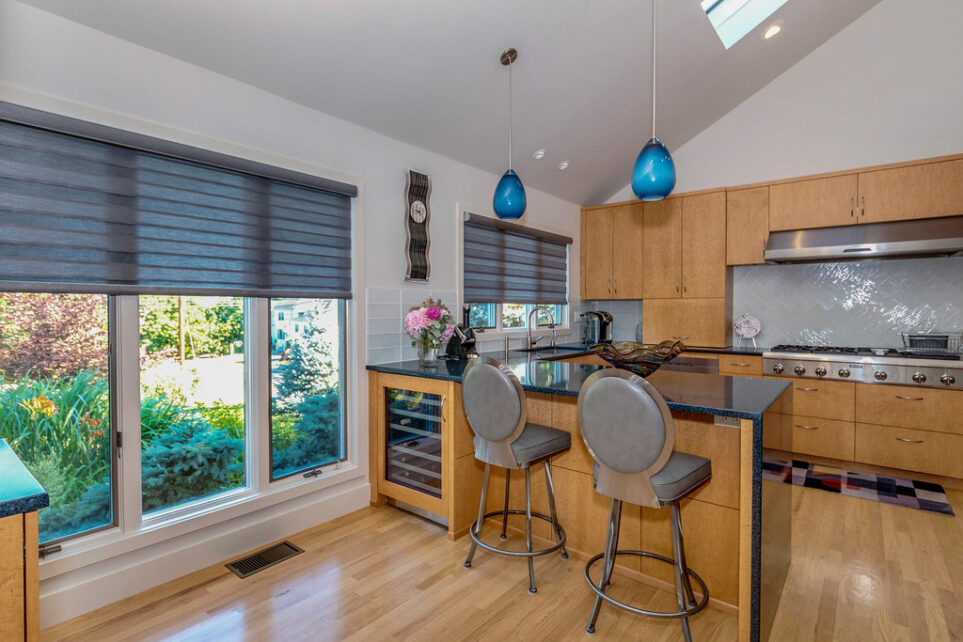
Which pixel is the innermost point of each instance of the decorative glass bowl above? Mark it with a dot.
(639, 358)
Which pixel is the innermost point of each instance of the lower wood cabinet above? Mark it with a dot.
(909, 407)
(825, 399)
(695, 322)
(823, 437)
(741, 365)
(19, 584)
(924, 451)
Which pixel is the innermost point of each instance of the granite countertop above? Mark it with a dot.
(19, 491)
(739, 397)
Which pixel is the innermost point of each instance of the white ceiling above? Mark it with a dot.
(427, 72)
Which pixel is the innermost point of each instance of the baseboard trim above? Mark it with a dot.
(69, 595)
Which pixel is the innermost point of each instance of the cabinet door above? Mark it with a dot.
(913, 192)
(12, 598)
(747, 225)
(936, 453)
(704, 245)
(821, 202)
(661, 320)
(704, 323)
(596, 254)
(627, 240)
(662, 249)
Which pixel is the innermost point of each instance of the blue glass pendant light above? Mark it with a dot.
(653, 176)
(509, 201)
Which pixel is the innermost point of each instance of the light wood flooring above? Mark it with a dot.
(861, 570)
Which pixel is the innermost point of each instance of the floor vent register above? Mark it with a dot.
(248, 566)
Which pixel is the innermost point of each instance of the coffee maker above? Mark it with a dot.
(596, 327)
(461, 345)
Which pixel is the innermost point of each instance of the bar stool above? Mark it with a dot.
(497, 412)
(629, 432)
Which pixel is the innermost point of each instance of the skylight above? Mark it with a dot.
(733, 19)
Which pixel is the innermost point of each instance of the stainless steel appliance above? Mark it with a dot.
(596, 327)
(461, 345)
(866, 365)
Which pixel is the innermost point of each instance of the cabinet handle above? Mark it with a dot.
(684, 289)
(805, 427)
(909, 441)
(739, 365)
(616, 287)
(862, 206)
(677, 285)
(680, 338)
(852, 207)
(443, 399)
(808, 389)
(610, 286)
(905, 398)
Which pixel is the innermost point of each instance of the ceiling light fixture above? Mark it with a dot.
(539, 154)
(563, 166)
(653, 176)
(772, 31)
(509, 201)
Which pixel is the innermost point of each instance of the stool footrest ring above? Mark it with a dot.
(660, 614)
(503, 551)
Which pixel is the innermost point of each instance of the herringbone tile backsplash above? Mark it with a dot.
(853, 303)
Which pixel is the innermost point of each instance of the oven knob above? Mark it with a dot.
(844, 373)
(947, 380)
(919, 377)
(799, 370)
(778, 368)
(820, 371)
(880, 375)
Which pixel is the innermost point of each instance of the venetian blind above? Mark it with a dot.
(510, 263)
(87, 208)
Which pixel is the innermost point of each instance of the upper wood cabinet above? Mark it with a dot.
(695, 322)
(927, 190)
(662, 249)
(821, 202)
(611, 244)
(747, 225)
(684, 252)
(703, 245)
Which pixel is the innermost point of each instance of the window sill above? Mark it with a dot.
(114, 542)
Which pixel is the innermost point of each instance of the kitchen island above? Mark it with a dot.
(737, 526)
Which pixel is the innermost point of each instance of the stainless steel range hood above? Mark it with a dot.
(924, 237)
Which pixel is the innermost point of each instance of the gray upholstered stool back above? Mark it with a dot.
(497, 412)
(628, 429)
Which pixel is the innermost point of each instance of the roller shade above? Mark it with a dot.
(95, 210)
(509, 263)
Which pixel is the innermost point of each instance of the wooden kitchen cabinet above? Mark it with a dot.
(662, 249)
(820, 202)
(923, 451)
(19, 584)
(747, 225)
(910, 407)
(703, 245)
(926, 190)
(695, 322)
(611, 252)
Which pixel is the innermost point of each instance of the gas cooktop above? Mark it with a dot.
(868, 352)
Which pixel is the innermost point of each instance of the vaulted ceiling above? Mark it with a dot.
(427, 72)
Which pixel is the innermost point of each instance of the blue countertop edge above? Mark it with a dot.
(19, 491)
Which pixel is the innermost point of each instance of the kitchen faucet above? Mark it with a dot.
(534, 313)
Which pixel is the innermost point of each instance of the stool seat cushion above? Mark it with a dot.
(682, 474)
(538, 442)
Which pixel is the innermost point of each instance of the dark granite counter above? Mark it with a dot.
(739, 397)
(19, 491)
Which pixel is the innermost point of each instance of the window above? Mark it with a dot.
(55, 401)
(307, 384)
(192, 398)
(733, 19)
(514, 316)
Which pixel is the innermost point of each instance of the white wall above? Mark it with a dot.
(885, 89)
(50, 63)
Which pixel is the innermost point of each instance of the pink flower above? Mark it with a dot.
(433, 313)
(449, 330)
(416, 321)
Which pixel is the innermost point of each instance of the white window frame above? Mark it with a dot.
(562, 324)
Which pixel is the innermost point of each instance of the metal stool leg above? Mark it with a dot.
(608, 562)
(528, 529)
(615, 542)
(682, 589)
(687, 584)
(551, 505)
(508, 481)
(481, 514)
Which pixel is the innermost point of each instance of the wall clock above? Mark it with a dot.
(747, 327)
(417, 217)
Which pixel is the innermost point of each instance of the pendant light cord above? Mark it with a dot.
(653, 71)
(510, 116)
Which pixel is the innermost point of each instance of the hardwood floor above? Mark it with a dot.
(861, 570)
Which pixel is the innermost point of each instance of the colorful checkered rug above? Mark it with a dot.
(879, 488)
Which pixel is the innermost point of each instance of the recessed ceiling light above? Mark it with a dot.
(772, 31)
(563, 166)
(539, 154)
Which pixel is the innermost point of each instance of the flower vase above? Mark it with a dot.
(427, 355)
